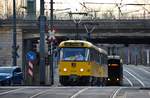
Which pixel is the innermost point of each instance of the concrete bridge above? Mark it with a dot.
(102, 31)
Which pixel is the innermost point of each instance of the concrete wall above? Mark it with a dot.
(6, 41)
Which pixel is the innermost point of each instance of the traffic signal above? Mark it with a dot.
(34, 45)
(47, 60)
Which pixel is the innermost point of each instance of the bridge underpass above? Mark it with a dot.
(130, 43)
(125, 46)
(105, 32)
(132, 33)
(96, 37)
(121, 40)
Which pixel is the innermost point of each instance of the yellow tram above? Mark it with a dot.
(82, 63)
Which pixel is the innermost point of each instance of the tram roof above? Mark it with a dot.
(86, 44)
(114, 57)
(102, 51)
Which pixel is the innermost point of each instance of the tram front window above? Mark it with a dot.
(77, 54)
(112, 61)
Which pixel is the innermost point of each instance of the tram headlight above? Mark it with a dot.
(65, 69)
(81, 69)
(108, 79)
(117, 79)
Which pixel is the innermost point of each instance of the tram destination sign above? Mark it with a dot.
(73, 44)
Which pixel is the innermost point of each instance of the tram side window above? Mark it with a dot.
(96, 56)
(103, 59)
(100, 58)
(92, 55)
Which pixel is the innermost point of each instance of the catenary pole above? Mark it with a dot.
(51, 28)
(14, 50)
(42, 43)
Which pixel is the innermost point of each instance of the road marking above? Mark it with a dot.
(128, 81)
(141, 68)
(79, 92)
(144, 70)
(115, 93)
(135, 78)
(40, 93)
(149, 93)
(10, 91)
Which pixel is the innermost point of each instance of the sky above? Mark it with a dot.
(74, 5)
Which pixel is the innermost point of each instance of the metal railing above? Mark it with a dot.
(88, 17)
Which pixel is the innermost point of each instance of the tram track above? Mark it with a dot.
(115, 93)
(68, 92)
(79, 92)
(112, 94)
(135, 77)
(141, 73)
(26, 91)
(38, 94)
(129, 81)
(10, 91)
(132, 79)
(144, 70)
(59, 90)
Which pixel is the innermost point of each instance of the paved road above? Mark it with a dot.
(137, 76)
(74, 92)
(135, 85)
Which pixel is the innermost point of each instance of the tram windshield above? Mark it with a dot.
(114, 61)
(77, 54)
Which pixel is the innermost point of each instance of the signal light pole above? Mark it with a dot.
(14, 49)
(42, 43)
(51, 46)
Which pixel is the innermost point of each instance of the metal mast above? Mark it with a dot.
(42, 43)
(14, 50)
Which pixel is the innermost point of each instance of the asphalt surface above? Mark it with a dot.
(136, 84)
